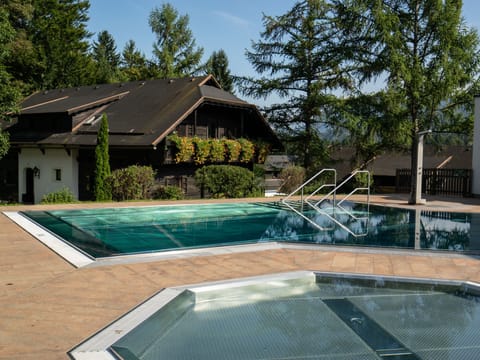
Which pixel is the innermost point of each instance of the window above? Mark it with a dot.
(58, 174)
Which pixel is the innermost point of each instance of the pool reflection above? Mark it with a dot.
(386, 227)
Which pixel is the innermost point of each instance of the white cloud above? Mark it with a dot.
(236, 20)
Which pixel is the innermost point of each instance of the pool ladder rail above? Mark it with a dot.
(330, 212)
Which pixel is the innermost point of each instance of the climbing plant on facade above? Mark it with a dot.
(203, 151)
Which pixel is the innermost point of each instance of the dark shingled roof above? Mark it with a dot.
(140, 113)
(74, 99)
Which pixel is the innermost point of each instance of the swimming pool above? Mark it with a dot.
(103, 233)
(300, 315)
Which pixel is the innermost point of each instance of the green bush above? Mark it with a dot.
(259, 171)
(61, 196)
(132, 183)
(168, 193)
(292, 177)
(227, 181)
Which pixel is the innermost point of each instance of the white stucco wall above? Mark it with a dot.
(47, 163)
(476, 149)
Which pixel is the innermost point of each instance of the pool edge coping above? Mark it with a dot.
(54, 243)
(96, 347)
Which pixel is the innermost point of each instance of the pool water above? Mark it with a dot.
(120, 231)
(331, 317)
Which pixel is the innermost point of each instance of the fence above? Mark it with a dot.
(438, 181)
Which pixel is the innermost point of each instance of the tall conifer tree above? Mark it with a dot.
(217, 65)
(102, 190)
(175, 51)
(106, 57)
(58, 32)
(427, 54)
(9, 94)
(134, 65)
(299, 61)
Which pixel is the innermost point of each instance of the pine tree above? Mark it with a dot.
(58, 32)
(174, 48)
(217, 65)
(9, 94)
(134, 65)
(106, 57)
(427, 55)
(21, 60)
(300, 62)
(102, 190)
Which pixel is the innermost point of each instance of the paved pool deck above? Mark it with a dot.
(47, 306)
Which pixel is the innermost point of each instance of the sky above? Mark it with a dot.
(230, 25)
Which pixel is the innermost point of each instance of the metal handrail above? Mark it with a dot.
(301, 187)
(339, 204)
(315, 205)
(345, 227)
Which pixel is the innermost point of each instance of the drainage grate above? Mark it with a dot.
(383, 343)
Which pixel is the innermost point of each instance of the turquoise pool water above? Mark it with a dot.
(332, 317)
(120, 231)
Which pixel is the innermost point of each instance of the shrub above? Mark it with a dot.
(168, 193)
(132, 183)
(61, 196)
(292, 177)
(361, 179)
(227, 181)
(259, 171)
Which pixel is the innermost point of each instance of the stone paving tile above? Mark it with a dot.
(323, 260)
(382, 265)
(344, 262)
(364, 264)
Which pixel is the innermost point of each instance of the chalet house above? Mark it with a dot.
(54, 136)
